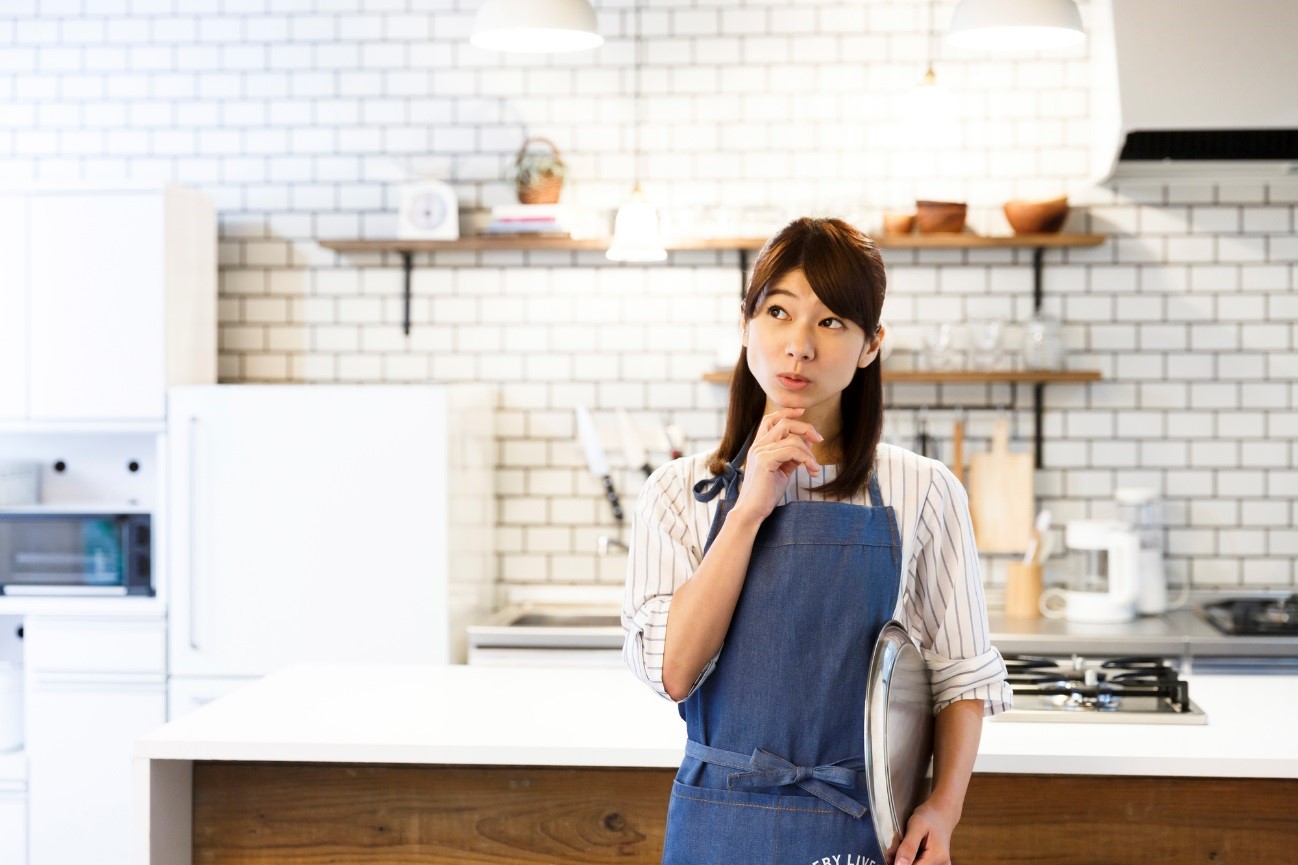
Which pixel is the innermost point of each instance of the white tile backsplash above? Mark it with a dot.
(300, 120)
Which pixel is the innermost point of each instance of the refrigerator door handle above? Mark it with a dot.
(189, 553)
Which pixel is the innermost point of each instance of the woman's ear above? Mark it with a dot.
(871, 349)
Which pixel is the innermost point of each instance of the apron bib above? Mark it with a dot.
(774, 768)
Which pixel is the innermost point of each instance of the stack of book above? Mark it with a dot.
(531, 219)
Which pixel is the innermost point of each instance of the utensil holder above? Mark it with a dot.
(1022, 590)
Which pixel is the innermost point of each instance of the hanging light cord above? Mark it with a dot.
(929, 75)
(635, 128)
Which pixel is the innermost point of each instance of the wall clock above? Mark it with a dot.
(429, 211)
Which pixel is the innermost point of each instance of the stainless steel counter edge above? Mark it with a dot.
(1174, 634)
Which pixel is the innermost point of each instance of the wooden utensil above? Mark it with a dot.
(957, 451)
(1000, 495)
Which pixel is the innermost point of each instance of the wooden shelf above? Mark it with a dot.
(963, 376)
(524, 242)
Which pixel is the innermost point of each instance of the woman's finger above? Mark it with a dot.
(785, 428)
(774, 417)
(781, 453)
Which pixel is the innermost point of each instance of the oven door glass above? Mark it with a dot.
(63, 551)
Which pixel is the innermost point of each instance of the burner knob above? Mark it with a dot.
(1077, 662)
(1091, 677)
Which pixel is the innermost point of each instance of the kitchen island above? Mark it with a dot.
(442, 764)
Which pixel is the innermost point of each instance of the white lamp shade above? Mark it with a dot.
(1015, 25)
(635, 231)
(535, 26)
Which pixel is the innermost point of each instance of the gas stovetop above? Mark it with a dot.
(1117, 690)
(1262, 617)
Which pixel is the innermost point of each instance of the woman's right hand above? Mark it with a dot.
(782, 443)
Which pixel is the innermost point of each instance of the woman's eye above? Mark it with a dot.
(773, 309)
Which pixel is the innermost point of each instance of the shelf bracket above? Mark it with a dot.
(743, 273)
(1038, 390)
(407, 264)
(1038, 273)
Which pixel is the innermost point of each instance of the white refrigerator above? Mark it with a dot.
(324, 523)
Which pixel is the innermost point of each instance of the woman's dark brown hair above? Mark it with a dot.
(845, 271)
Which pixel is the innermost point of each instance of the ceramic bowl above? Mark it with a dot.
(1044, 216)
(898, 223)
(940, 217)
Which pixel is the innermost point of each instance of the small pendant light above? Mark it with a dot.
(1015, 25)
(635, 229)
(932, 107)
(535, 26)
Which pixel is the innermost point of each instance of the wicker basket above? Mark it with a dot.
(546, 189)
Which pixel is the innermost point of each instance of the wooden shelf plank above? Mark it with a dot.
(483, 243)
(964, 376)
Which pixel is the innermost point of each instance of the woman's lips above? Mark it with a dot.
(793, 383)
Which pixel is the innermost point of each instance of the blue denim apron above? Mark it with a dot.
(773, 769)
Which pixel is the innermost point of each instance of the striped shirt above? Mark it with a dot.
(940, 600)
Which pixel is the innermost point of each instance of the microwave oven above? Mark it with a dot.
(75, 554)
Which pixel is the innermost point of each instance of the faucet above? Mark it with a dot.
(605, 542)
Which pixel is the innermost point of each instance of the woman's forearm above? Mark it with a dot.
(702, 607)
(956, 733)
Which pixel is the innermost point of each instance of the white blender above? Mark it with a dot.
(1139, 508)
(1104, 582)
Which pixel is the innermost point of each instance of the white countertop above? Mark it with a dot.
(605, 717)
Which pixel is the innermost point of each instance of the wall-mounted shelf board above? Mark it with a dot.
(1037, 378)
(963, 376)
(1039, 243)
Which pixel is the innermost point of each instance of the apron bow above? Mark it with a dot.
(707, 489)
(772, 770)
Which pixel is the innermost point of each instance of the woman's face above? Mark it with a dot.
(792, 332)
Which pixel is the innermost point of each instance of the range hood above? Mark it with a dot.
(1194, 88)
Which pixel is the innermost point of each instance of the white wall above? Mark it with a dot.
(300, 117)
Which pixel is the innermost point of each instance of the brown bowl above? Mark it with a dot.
(940, 217)
(1044, 216)
(898, 223)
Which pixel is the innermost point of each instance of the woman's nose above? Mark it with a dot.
(800, 345)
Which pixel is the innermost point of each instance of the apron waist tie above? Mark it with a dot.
(770, 770)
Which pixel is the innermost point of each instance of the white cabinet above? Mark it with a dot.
(186, 694)
(314, 523)
(13, 825)
(92, 687)
(13, 808)
(13, 308)
(115, 290)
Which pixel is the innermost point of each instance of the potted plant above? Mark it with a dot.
(538, 174)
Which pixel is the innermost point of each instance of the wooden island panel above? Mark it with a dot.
(366, 814)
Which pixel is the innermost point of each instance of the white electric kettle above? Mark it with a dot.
(1103, 574)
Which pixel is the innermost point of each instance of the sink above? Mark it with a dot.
(573, 628)
(558, 620)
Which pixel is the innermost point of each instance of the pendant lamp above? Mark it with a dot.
(535, 26)
(1015, 25)
(635, 229)
(932, 108)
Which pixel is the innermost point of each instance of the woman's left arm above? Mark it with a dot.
(956, 732)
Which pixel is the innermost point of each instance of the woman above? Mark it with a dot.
(792, 545)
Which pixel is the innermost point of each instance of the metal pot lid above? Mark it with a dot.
(898, 734)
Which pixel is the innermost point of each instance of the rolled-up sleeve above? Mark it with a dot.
(662, 557)
(945, 610)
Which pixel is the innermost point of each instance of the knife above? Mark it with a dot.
(595, 457)
(632, 446)
(676, 437)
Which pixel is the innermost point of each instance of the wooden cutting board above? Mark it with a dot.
(1000, 495)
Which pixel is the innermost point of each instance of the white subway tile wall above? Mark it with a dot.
(301, 119)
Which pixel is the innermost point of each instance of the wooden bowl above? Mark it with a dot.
(1044, 216)
(898, 223)
(940, 217)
